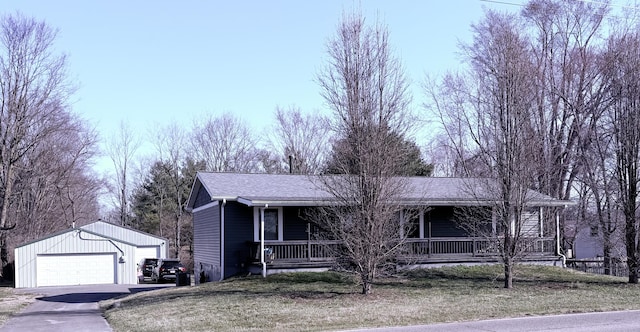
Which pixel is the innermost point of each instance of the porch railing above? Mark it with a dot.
(297, 251)
(317, 251)
(473, 246)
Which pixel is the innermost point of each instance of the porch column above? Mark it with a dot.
(308, 242)
(262, 262)
(494, 223)
(541, 222)
(564, 258)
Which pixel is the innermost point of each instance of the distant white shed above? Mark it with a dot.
(98, 253)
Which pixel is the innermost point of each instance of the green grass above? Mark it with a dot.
(329, 301)
(11, 303)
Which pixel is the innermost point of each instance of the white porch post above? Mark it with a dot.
(564, 258)
(262, 262)
(541, 220)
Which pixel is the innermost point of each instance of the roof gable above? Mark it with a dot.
(78, 230)
(110, 229)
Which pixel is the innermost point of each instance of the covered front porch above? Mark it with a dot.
(310, 253)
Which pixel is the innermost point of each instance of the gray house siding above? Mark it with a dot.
(238, 233)
(206, 243)
(202, 198)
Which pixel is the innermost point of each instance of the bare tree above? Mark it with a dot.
(34, 91)
(365, 87)
(450, 100)
(302, 140)
(121, 149)
(565, 38)
(488, 114)
(441, 156)
(57, 189)
(598, 189)
(170, 143)
(225, 144)
(622, 63)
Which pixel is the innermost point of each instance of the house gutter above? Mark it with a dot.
(224, 202)
(262, 262)
(122, 257)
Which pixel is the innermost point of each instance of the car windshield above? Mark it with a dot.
(151, 261)
(170, 264)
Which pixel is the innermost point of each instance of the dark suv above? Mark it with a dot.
(166, 269)
(145, 268)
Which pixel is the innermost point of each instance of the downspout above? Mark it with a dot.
(122, 257)
(121, 260)
(224, 202)
(564, 258)
(262, 262)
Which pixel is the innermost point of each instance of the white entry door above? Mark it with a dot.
(75, 269)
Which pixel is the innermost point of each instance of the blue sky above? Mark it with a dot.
(153, 62)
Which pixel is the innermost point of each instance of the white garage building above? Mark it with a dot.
(98, 253)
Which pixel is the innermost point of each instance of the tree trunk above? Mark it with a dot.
(4, 216)
(508, 273)
(607, 252)
(633, 272)
(4, 253)
(632, 250)
(123, 204)
(177, 238)
(366, 283)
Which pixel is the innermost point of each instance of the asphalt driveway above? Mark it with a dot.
(69, 308)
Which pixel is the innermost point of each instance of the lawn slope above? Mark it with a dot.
(330, 301)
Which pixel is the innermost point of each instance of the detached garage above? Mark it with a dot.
(98, 253)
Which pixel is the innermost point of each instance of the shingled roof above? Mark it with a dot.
(306, 190)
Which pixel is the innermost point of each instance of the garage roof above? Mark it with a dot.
(75, 230)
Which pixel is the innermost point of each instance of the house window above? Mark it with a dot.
(272, 224)
(594, 231)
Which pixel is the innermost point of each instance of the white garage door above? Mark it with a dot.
(147, 252)
(75, 269)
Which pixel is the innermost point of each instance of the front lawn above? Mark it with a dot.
(330, 301)
(11, 302)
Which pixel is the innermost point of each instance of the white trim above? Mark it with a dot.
(245, 201)
(256, 222)
(410, 203)
(224, 202)
(541, 221)
(402, 223)
(421, 224)
(262, 262)
(204, 207)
